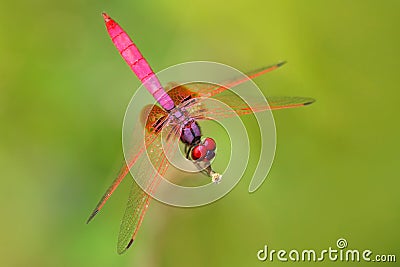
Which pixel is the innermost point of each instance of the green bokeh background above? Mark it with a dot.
(63, 94)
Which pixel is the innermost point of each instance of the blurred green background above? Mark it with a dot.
(63, 94)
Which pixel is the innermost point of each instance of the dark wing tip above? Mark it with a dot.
(92, 215)
(121, 250)
(130, 243)
(312, 100)
(281, 63)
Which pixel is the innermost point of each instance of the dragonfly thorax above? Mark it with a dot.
(191, 133)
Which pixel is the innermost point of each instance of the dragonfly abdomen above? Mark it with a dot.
(137, 63)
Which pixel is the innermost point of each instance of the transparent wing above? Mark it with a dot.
(211, 110)
(153, 113)
(137, 202)
(149, 172)
(280, 102)
(209, 90)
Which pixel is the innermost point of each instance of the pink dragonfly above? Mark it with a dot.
(178, 113)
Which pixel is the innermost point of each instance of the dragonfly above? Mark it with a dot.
(178, 111)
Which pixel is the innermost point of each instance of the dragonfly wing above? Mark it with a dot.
(180, 93)
(132, 216)
(209, 90)
(214, 110)
(123, 172)
(138, 147)
(149, 172)
(281, 102)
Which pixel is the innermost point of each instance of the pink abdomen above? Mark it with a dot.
(137, 63)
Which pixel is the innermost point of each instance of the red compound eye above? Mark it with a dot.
(199, 152)
(210, 155)
(209, 143)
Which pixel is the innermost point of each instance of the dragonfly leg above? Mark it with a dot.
(188, 149)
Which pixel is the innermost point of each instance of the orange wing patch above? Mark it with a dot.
(179, 93)
(152, 117)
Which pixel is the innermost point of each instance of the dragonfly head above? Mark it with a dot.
(204, 150)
